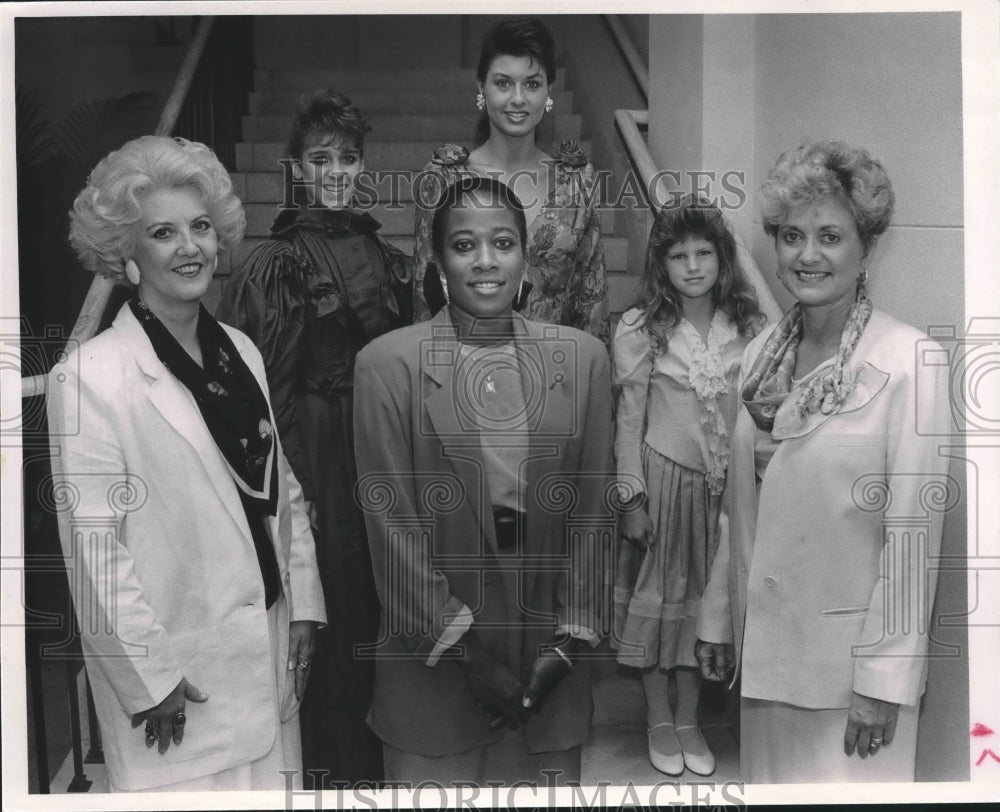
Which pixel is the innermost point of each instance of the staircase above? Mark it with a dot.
(412, 112)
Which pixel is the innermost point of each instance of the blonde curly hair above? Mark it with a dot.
(819, 169)
(104, 215)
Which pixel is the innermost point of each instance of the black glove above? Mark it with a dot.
(548, 669)
(497, 691)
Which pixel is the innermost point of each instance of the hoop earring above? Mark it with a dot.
(480, 102)
(549, 104)
(863, 276)
(132, 272)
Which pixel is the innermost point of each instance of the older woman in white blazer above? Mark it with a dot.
(823, 584)
(190, 556)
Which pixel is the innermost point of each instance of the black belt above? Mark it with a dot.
(509, 525)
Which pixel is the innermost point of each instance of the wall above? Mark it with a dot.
(65, 61)
(893, 84)
(744, 88)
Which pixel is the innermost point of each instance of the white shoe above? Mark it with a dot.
(664, 751)
(697, 757)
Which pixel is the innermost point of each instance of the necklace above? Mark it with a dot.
(489, 385)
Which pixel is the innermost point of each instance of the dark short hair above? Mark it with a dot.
(519, 36)
(462, 188)
(326, 112)
(516, 36)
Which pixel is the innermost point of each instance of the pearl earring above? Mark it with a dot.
(549, 104)
(480, 102)
(132, 272)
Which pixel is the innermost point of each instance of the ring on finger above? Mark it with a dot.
(152, 731)
(304, 664)
(180, 719)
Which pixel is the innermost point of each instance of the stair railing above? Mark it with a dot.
(629, 122)
(99, 293)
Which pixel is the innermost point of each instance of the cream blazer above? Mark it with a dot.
(161, 562)
(824, 578)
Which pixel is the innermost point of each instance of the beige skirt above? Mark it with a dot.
(786, 744)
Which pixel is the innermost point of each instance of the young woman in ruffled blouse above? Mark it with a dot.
(565, 278)
(676, 356)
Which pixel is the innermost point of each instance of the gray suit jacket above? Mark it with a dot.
(430, 527)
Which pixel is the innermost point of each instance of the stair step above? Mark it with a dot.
(358, 80)
(403, 126)
(378, 41)
(390, 100)
(263, 156)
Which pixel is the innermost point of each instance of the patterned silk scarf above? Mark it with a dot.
(236, 413)
(770, 378)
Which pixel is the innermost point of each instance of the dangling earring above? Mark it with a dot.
(863, 276)
(132, 272)
(549, 104)
(520, 290)
(480, 102)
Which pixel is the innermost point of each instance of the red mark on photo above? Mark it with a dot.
(981, 730)
(986, 753)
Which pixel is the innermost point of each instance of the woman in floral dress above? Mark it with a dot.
(566, 282)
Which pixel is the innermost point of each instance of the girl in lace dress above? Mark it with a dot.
(676, 356)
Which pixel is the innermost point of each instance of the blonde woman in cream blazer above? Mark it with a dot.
(823, 583)
(184, 624)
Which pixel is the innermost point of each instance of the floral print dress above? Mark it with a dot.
(565, 270)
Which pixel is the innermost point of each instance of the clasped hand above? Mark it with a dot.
(716, 660)
(498, 692)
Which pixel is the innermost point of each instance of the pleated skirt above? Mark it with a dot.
(657, 593)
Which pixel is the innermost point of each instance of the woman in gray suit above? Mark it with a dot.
(484, 458)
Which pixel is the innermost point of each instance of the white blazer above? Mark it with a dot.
(824, 579)
(162, 566)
